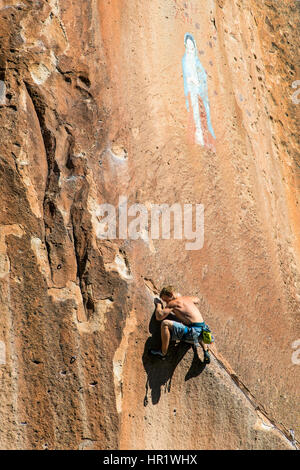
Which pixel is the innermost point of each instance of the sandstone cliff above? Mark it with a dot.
(93, 108)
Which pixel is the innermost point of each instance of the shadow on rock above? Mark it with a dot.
(197, 366)
(160, 372)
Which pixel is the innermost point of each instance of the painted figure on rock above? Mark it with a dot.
(195, 90)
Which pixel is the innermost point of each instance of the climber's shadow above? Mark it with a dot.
(160, 372)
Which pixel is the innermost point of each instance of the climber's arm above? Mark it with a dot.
(196, 300)
(162, 313)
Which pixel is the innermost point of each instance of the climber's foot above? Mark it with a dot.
(206, 357)
(157, 353)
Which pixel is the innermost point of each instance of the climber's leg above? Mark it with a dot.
(166, 328)
(205, 351)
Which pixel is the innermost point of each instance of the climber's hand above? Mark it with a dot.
(158, 301)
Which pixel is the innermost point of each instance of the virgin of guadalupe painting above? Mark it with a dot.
(195, 89)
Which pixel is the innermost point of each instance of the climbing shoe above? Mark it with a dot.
(157, 353)
(206, 357)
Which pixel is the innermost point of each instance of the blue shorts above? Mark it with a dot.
(179, 330)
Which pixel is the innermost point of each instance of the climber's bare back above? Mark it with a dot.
(185, 310)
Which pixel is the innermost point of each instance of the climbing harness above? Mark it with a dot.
(191, 335)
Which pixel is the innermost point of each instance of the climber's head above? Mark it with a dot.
(167, 294)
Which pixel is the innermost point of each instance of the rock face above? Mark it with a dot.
(93, 110)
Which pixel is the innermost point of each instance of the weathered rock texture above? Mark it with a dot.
(92, 107)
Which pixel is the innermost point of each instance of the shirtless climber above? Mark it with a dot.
(190, 323)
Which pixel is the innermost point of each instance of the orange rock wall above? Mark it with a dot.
(92, 107)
